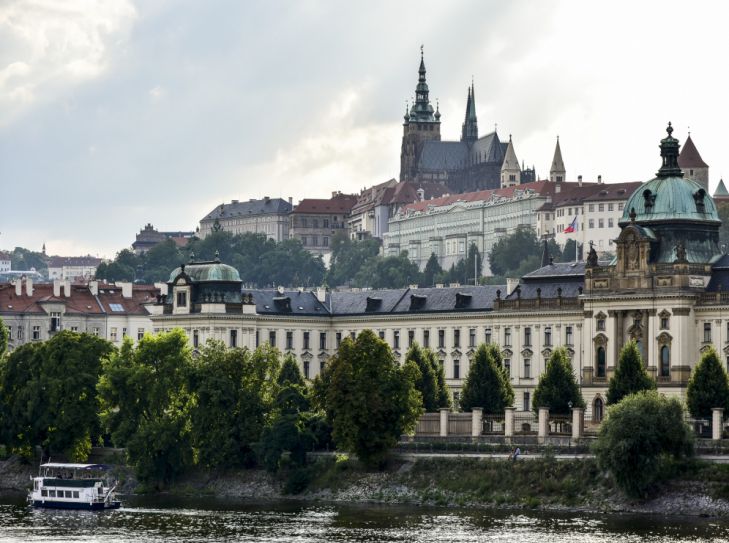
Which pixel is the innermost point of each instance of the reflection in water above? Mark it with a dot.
(167, 520)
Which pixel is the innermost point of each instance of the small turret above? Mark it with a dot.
(510, 170)
(693, 166)
(557, 172)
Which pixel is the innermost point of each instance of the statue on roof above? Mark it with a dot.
(680, 253)
(592, 257)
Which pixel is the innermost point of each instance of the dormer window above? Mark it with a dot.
(182, 299)
(650, 199)
(700, 202)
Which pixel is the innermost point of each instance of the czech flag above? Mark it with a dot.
(572, 227)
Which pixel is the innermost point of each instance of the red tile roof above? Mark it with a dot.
(341, 203)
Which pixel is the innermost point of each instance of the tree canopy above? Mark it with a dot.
(388, 272)
(640, 433)
(557, 387)
(487, 385)
(369, 398)
(708, 386)
(426, 379)
(630, 375)
(348, 257)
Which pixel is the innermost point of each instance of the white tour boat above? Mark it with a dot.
(73, 486)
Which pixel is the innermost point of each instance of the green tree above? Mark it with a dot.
(486, 385)
(388, 272)
(370, 400)
(640, 434)
(24, 259)
(630, 375)
(472, 271)
(509, 252)
(708, 386)
(4, 338)
(160, 260)
(432, 271)
(146, 404)
(557, 387)
(49, 394)
(348, 257)
(722, 209)
(426, 380)
(290, 372)
(444, 393)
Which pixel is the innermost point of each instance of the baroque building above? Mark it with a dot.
(473, 163)
(667, 288)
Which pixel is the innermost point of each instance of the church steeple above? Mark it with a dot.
(557, 172)
(422, 111)
(469, 131)
(510, 171)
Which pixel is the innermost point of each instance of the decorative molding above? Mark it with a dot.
(681, 311)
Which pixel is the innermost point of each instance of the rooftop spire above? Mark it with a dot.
(469, 131)
(721, 189)
(689, 157)
(669, 156)
(557, 172)
(421, 110)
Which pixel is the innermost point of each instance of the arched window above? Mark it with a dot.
(601, 362)
(665, 361)
(597, 410)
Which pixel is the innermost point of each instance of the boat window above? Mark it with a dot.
(44, 492)
(52, 493)
(69, 493)
(75, 493)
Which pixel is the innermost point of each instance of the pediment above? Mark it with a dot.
(507, 353)
(546, 352)
(527, 353)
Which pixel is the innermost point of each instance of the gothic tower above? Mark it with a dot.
(693, 165)
(421, 124)
(469, 131)
(557, 172)
(510, 170)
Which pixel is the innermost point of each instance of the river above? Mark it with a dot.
(158, 519)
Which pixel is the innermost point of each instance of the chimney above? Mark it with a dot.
(57, 288)
(126, 289)
(162, 288)
(421, 194)
(66, 286)
(234, 201)
(511, 284)
(29, 286)
(19, 286)
(599, 179)
(94, 288)
(291, 201)
(579, 180)
(321, 294)
(266, 199)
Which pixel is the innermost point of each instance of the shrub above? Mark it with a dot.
(641, 433)
(630, 375)
(708, 386)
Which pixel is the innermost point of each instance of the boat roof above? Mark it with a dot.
(60, 465)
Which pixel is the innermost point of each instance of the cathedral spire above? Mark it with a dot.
(469, 131)
(421, 110)
(557, 172)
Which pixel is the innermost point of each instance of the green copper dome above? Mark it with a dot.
(208, 271)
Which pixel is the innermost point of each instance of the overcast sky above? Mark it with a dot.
(115, 113)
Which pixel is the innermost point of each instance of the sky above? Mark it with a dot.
(118, 113)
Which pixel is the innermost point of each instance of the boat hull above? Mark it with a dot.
(49, 504)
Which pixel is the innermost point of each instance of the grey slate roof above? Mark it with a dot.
(300, 302)
(267, 206)
(559, 270)
(443, 155)
(488, 148)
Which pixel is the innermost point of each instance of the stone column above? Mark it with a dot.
(578, 422)
(444, 421)
(509, 422)
(717, 423)
(476, 421)
(543, 431)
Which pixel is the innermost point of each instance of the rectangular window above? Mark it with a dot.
(456, 338)
(487, 335)
(526, 405)
(315, 240)
(610, 223)
(591, 207)
(140, 333)
(601, 223)
(507, 337)
(664, 324)
(527, 337)
(610, 207)
(568, 335)
(441, 339)
(75, 494)
(325, 241)
(55, 322)
(124, 332)
(74, 328)
(20, 332)
(69, 493)
(382, 334)
(44, 492)
(353, 335)
(707, 332)
(472, 337)
(303, 240)
(96, 331)
(195, 339)
(306, 369)
(621, 207)
(272, 338)
(289, 340)
(601, 324)
(601, 207)
(548, 336)
(112, 334)
(182, 299)
(396, 339)
(456, 369)
(527, 368)
(51, 493)
(306, 340)
(411, 337)
(507, 366)
(338, 338)
(322, 340)
(234, 338)
(426, 339)
(325, 223)
(591, 223)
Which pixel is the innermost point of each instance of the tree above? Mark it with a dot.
(369, 398)
(348, 257)
(639, 434)
(23, 259)
(557, 387)
(388, 272)
(630, 375)
(509, 252)
(160, 260)
(48, 393)
(472, 271)
(444, 393)
(4, 338)
(290, 372)
(146, 404)
(708, 386)
(426, 380)
(486, 385)
(432, 271)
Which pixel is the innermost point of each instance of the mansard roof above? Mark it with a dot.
(265, 206)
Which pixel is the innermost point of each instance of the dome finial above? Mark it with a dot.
(192, 257)
(217, 255)
(669, 129)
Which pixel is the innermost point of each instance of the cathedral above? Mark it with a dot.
(471, 164)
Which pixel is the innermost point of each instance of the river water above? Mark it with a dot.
(172, 520)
